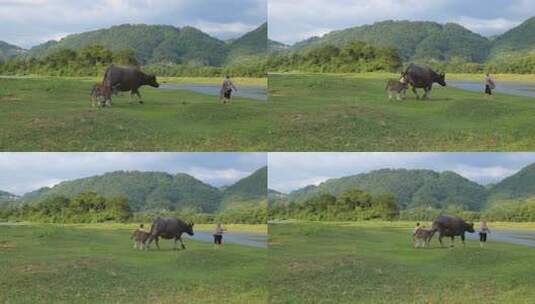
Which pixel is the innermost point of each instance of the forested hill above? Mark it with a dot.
(251, 44)
(250, 190)
(6, 197)
(413, 39)
(144, 190)
(412, 188)
(161, 44)
(159, 191)
(518, 186)
(518, 39)
(275, 46)
(422, 40)
(9, 51)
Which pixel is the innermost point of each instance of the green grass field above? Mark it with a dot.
(51, 264)
(54, 114)
(375, 263)
(313, 112)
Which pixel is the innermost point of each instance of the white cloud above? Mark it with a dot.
(487, 26)
(232, 28)
(485, 175)
(222, 176)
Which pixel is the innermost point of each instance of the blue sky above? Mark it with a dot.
(292, 21)
(23, 172)
(291, 171)
(30, 22)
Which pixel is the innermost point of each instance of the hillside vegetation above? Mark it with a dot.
(161, 49)
(412, 188)
(450, 47)
(413, 39)
(411, 194)
(246, 191)
(9, 51)
(157, 190)
(161, 44)
(6, 197)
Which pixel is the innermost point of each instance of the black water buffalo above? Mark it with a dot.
(169, 228)
(451, 226)
(128, 78)
(423, 78)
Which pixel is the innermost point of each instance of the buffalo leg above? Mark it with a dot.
(462, 239)
(452, 241)
(427, 91)
(182, 243)
(440, 240)
(156, 242)
(415, 92)
(149, 240)
(138, 96)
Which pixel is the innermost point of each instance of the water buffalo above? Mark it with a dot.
(451, 226)
(423, 77)
(128, 78)
(169, 228)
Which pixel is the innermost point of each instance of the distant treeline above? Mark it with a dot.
(500, 211)
(93, 60)
(355, 205)
(358, 57)
(90, 207)
(354, 57)
(513, 63)
(85, 207)
(351, 205)
(242, 215)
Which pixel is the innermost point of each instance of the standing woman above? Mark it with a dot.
(489, 85)
(483, 231)
(218, 235)
(225, 95)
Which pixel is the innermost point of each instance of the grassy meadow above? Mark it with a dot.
(375, 263)
(55, 114)
(55, 264)
(335, 112)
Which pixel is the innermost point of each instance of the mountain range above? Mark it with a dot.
(158, 191)
(427, 40)
(157, 44)
(424, 188)
(8, 50)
